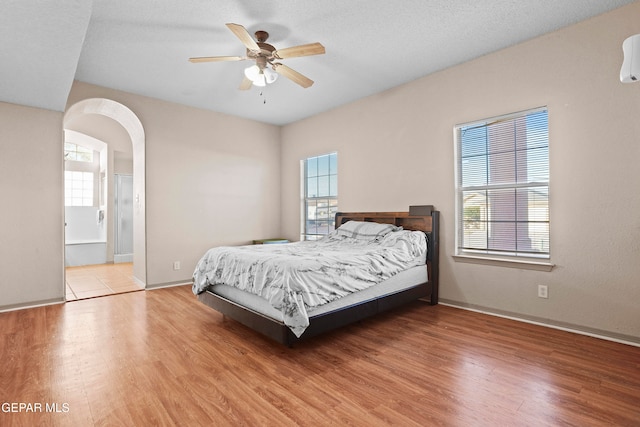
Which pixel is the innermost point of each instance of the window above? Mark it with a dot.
(79, 175)
(320, 204)
(502, 181)
(78, 188)
(77, 152)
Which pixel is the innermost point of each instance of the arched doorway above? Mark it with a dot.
(123, 116)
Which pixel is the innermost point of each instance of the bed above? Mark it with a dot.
(402, 267)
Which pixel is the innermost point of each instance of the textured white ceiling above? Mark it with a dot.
(40, 43)
(142, 46)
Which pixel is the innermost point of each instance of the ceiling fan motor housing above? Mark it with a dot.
(261, 36)
(265, 56)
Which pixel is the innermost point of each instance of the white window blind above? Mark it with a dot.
(503, 186)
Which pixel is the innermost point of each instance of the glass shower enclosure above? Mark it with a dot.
(123, 244)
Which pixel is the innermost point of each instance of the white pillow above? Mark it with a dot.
(363, 230)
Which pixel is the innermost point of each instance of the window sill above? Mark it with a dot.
(501, 262)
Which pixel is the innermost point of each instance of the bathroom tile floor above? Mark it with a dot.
(89, 281)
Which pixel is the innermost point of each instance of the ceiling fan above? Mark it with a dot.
(266, 68)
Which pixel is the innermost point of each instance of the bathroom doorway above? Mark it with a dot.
(117, 205)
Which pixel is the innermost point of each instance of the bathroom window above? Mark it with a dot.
(77, 152)
(78, 188)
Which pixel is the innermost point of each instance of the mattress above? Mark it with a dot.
(403, 280)
(296, 278)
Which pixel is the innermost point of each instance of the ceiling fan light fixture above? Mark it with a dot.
(260, 81)
(270, 75)
(252, 72)
(260, 77)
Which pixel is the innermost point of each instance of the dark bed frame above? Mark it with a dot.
(419, 218)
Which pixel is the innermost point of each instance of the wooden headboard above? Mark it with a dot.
(418, 218)
(420, 221)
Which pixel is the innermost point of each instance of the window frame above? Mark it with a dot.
(87, 186)
(330, 200)
(487, 255)
(78, 153)
(82, 182)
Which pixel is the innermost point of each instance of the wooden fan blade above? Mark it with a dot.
(293, 75)
(246, 84)
(244, 36)
(302, 50)
(216, 58)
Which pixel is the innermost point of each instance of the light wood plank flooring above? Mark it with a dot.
(160, 357)
(89, 281)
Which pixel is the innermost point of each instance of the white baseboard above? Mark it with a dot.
(622, 339)
(168, 284)
(34, 304)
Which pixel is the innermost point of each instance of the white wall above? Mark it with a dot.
(82, 225)
(211, 179)
(395, 149)
(31, 217)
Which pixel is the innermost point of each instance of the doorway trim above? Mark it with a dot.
(132, 125)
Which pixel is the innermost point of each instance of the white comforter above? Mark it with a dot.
(295, 276)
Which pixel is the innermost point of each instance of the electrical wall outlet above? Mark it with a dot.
(543, 291)
(176, 265)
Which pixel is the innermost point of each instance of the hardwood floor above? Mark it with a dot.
(162, 358)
